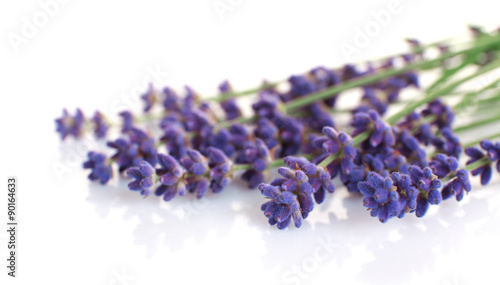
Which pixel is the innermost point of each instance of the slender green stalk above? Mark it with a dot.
(306, 100)
(476, 142)
(274, 164)
(470, 98)
(435, 94)
(447, 75)
(476, 124)
(229, 95)
(479, 163)
(357, 140)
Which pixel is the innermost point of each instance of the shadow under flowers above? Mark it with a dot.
(391, 253)
(171, 224)
(419, 242)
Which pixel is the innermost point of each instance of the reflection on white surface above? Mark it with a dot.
(354, 246)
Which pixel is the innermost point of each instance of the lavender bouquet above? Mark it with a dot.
(399, 154)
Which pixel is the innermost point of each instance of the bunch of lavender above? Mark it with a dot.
(398, 164)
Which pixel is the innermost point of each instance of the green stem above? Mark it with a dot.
(477, 124)
(274, 164)
(357, 140)
(306, 100)
(476, 142)
(230, 95)
(479, 163)
(444, 90)
(469, 98)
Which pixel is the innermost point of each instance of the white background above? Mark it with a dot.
(101, 54)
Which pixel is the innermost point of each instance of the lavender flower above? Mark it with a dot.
(175, 140)
(291, 196)
(229, 106)
(128, 121)
(282, 207)
(144, 180)
(171, 175)
(267, 132)
(100, 170)
(100, 125)
(492, 154)
(458, 186)
(371, 121)
(339, 144)
(257, 154)
(70, 125)
(221, 169)
(171, 101)
(130, 151)
(149, 99)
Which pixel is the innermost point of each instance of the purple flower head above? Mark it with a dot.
(442, 165)
(448, 143)
(299, 86)
(381, 133)
(149, 98)
(239, 136)
(100, 125)
(410, 148)
(324, 78)
(221, 169)
(171, 101)
(267, 132)
(130, 151)
(100, 170)
(189, 102)
(70, 126)
(372, 101)
(307, 177)
(171, 175)
(283, 206)
(339, 144)
(382, 197)
(443, 114)
(143, 176)
(317, 117)
(126, 153)
(267, 105)
(197, 120)
(175, 140)
(229, 106)
(195, 163)
(222, 140)
(146, 145)
(257, 154)
(350, 72)
(491, 154)
(128, 121)
(458, 186)
(428, 185)
(291, 133)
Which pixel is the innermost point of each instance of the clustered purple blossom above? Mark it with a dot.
(396, 169)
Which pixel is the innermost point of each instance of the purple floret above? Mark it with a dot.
(69, 125)
(100, 169)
